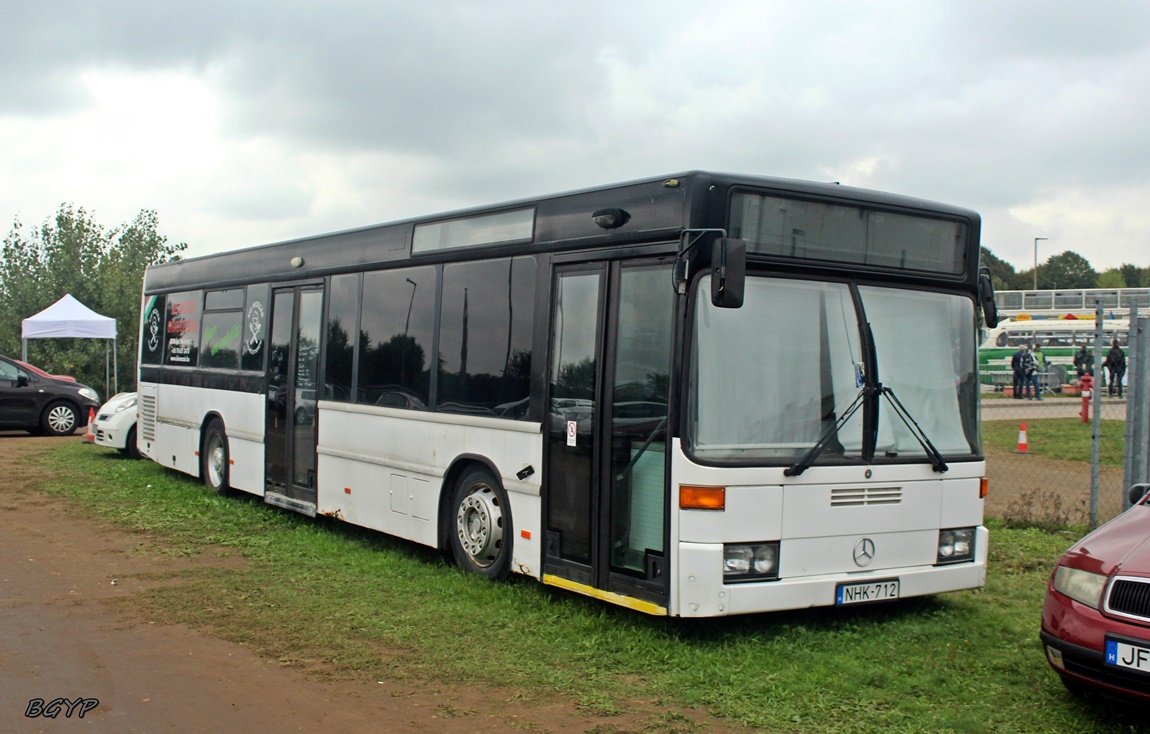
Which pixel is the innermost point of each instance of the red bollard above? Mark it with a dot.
(1086, 382)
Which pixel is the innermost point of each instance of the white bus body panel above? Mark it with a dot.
(819, 517)
(384, 469)
(180, 414)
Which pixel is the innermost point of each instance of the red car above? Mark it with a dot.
(42, 373)
(1096, 617)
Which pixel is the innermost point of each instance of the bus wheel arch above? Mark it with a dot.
(477, 522)
(215, 459)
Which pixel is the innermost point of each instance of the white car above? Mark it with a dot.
(115, 424)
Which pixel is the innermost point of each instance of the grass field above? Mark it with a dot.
(1060, 438)
(341, 602)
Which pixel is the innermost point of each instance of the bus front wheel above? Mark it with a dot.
(481, 526)
(214, 458)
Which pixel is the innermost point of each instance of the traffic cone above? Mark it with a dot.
(1023, 446)
(90, 437)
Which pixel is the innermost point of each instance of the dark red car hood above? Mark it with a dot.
(1123, 544)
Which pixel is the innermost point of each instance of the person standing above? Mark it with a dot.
(1116, 365)
(1038, 361)
(1029, 373)
(1016, 368)
(1080, 361)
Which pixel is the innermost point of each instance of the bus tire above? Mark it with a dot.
(214, 458)
(481, 526)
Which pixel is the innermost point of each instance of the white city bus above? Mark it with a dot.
(695, 396)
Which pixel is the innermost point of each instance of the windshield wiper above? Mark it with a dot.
(915, 429)
(813, 452)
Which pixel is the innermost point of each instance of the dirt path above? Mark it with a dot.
(1048, 490)
(67, 632)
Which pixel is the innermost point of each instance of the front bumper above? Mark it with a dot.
(112, 431)
(1073, 639)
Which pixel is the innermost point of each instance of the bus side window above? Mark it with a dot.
(396, 328)
(341, 329)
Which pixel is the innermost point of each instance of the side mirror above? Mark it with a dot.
(986, 298)
(728, 272)
(1137, 492)
(21, 380)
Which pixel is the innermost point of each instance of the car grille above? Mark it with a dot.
(1130, 597)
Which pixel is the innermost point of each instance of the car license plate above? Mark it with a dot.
(870, 591)
(1128, 654)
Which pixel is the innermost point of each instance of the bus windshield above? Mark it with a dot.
(770, 378)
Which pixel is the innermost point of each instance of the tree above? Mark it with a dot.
(1066, 270)
(1001, 272)
(1111, 278)
(102, 268)
(1133, 276)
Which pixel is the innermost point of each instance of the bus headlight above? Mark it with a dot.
(955, 545)
(750, 562)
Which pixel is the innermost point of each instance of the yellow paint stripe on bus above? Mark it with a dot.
(610, 596)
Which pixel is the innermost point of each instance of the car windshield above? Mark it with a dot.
(771, 378)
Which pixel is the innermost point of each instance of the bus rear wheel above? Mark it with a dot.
(481, 526)
(214, 458)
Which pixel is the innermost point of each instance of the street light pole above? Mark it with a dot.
(1036, 239)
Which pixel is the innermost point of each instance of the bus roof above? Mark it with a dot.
(659, 209)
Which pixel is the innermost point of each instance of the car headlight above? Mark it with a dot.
(90, 394)
(127, 404)
(1081, 586)
(955, 545)
(750, 562)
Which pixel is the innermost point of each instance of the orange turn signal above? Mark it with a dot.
(983, 487)
(702, 498)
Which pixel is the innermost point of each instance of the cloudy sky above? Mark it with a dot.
(244, 121)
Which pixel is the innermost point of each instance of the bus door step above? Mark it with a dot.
(289, 503)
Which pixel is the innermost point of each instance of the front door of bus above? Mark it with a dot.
(605, 487)
(293, 372)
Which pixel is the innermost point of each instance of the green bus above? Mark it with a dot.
(1059, 339)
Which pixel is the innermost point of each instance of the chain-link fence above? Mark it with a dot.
(1067, 452)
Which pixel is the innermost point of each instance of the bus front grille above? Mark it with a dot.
(865, 496)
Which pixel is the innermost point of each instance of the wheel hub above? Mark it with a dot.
(60, 419)
(479, 526)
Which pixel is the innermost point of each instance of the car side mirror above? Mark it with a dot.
(728, 272)
(21, 380)
(1137, 492)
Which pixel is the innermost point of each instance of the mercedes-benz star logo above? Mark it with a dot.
(864, 552)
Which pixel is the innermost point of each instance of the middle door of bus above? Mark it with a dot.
(290, 430)
(605, 494)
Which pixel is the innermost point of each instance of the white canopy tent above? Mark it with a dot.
(70, 318)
